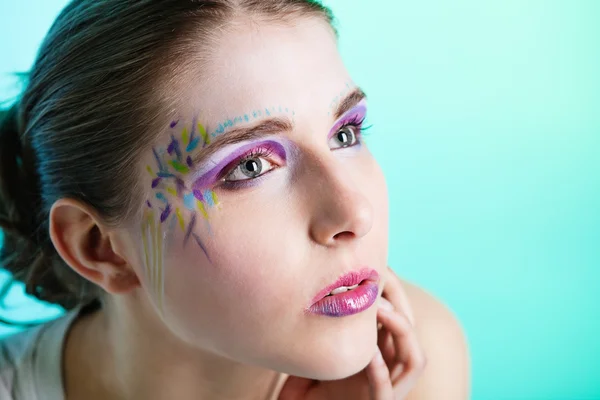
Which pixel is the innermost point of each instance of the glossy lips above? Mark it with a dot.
(351, 302)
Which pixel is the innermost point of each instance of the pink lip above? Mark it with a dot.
(350, 302)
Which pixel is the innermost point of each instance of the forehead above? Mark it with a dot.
(264, 65)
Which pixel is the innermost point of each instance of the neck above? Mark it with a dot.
(112, 353)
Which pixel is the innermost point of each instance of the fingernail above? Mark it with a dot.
(383, 303)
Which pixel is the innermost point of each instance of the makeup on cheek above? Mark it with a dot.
(230, 157)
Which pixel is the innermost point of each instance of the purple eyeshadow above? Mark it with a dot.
(358, 112)
(211, 176)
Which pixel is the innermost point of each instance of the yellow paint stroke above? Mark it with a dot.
(145, 225)
(153, 241)
(214, 198)
(185, 137)
(203, 133)
(153, 261)
(172, 191)
(201, 208)
(159, 268)
(149, 171)
(180, 218)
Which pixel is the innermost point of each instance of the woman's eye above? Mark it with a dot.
(345, 137)
(249, 168)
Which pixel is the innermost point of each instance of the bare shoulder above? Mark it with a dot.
(444, 342)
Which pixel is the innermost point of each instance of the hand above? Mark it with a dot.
(393, 371)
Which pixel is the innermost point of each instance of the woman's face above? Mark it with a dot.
(261, 193)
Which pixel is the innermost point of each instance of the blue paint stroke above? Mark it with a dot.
(194, 140)
(209, 199)
(162, 197)
(193, 144)
(157, 158)
(189, 201)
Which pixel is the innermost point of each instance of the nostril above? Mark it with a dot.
(344, 235)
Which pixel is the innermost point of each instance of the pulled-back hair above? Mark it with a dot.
(94, 101)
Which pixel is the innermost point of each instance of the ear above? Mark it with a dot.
(89, 247)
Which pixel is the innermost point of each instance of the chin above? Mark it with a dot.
(338, 355)
(347, 365)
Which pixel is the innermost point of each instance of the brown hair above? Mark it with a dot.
(97, 87)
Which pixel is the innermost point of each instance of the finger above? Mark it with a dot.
(394, 291)
(385, 342)
(380, 385)
(295, 388)
(409, 354)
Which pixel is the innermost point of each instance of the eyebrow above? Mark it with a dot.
(269, 126)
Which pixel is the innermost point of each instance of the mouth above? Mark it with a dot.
(352, 293)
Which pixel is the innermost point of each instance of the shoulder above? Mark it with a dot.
(30, 361)
(16, 353)
(445, 345)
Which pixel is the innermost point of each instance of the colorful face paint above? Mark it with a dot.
(336, 100)
(170, 174)
(168, 185)
(224, 126)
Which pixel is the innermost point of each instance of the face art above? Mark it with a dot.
(343, 93)
(161, 213)
(181, 190)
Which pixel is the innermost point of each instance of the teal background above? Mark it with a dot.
(487, 124)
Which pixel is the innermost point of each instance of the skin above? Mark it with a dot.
(228, 319)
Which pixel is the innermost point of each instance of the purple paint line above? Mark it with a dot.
(165, 214)
(148, 204)
(174, 147)
(201, 245)
(156, 182)
(190, 228)
(198, 195)
(189, 162)
(180, 186)
(174, 124)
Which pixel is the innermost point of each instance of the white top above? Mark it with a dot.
(31, 361)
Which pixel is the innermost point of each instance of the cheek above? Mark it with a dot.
(239, 267)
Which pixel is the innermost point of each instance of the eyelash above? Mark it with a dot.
(357, 122)
(265, 152)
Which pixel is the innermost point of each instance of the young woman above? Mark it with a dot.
(189, 179)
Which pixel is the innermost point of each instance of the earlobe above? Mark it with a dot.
(86, 245)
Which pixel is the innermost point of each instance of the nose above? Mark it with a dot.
(341, 211)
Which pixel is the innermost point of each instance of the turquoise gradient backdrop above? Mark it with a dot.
(487, 124)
